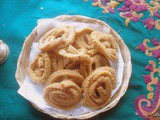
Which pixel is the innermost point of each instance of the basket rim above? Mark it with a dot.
(19, 78)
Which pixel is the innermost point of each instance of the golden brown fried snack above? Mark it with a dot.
(98, 61)
(57, 38)
(85, 69)
(109, 72)
(98, 39)
(57, 62)
(61, 75)
(97, 88)
(65, 95)
(72, 65)
(83, 40)
(73, 54)
(72, 57)
(91, 52)
(40, 69)
(112, 41)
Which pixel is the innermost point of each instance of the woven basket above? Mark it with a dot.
(24, 59)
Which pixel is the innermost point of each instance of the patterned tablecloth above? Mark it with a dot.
(137, 22)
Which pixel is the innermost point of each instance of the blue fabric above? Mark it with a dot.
(19, 17)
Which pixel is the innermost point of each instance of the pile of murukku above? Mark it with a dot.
(75, 67)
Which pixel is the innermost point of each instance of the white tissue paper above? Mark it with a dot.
(34, 92)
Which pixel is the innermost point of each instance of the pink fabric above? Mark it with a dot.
(142, 47)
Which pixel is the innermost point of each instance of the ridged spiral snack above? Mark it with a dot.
(57, 38)
(57, 62)
(97, 87)
(65, 95)
(60, 75)
(74, 55)
(83, 40)
(40, 69)
(98, 61)
(75, 67)
(99, 39)
(64, 84)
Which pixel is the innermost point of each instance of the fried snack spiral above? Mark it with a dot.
(74, 55)
(57, 38)
(75, 67)
(65, 95)
(97, 89)
(108, 72)
(61, 75)
(40, 69)
(85, 69)
(72, 65)
(98, 61)
(57, 62)
(91, 52)
(82, 39)
(98, 39)
(112, 41)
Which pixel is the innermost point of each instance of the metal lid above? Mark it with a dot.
(4, 52)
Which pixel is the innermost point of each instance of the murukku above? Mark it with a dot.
(85, 69)
(98, 38)
(109, 72)
(98, 61)
(82, 39)
(65, 95)
(97, 89)
(112, 41)
(57, 62)
(61, 75)
(72, 65)
(103, 60)
(75, 66)
(74, 55)
(91, 52)
(40, 69)
(57, 38)
(54, 65)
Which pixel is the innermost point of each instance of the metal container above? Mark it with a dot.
(4, 52)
